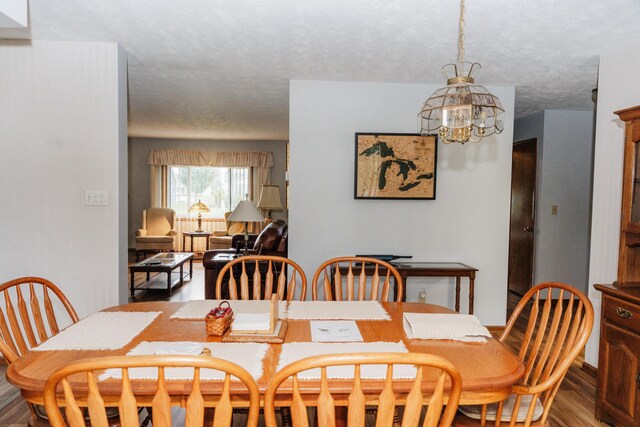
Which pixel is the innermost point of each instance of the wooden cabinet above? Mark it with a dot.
(617, 399)
(629, 256)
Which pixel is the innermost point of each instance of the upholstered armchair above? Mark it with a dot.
(157, 232)
(222, 239)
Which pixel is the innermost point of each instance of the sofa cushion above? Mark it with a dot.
(282, 245)
(159, 221)
(269, 238)
(235, 228)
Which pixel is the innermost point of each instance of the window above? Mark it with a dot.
(217, 187)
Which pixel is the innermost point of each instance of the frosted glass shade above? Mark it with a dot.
(462, 111)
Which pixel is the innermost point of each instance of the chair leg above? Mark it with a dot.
(396, 418)
(285, 414)
(147, 419)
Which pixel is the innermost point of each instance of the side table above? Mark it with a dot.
(192, 235)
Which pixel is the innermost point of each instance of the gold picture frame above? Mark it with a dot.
(395, 166)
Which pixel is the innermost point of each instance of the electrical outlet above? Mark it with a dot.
(95, 198)
(554, 210)
(422, 296)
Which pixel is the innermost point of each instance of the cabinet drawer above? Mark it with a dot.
(621, 313)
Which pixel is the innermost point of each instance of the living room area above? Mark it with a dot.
(104, 122)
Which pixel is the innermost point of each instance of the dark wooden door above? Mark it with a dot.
(521, 231)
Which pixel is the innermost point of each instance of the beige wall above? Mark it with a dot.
(139, 198)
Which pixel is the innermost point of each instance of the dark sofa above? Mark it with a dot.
(271, 241)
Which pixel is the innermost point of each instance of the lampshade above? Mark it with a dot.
(246, 211)
(270, 198)
(199, 207)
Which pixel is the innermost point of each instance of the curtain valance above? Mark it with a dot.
(215, 158)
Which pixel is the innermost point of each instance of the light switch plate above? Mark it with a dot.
(95, 198)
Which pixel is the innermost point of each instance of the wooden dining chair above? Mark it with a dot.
(338, 281)
(559, 319)
(27, 318)
(78, 388)
(267, 274)
(436, 384)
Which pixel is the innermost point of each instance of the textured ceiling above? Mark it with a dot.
(220, 69)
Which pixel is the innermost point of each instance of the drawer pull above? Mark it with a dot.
(624, 313)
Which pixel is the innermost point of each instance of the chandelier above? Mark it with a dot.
(462, 111)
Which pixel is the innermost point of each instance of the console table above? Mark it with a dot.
(437, 269)
(433, 269)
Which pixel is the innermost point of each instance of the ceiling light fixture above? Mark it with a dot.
(462, 111)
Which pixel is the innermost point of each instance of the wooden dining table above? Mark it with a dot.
(488, 369)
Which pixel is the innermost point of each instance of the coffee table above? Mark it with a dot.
(163, 262)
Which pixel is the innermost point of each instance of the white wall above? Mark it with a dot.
(618, 88)
(468, 222)
(565, 149)
(63, 131)
(139, 178)
(562, 250)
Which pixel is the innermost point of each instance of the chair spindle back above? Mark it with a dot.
(560, 319)
(77, 386)
(373, 275)
(268, 274)
(27, 314)
(437, 383)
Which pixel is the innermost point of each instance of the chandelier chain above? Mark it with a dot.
(461, 35)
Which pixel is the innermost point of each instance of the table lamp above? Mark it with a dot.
(270, 201)
(199, 207)
(245, 212)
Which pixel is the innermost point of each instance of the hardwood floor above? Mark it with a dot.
(573, 407)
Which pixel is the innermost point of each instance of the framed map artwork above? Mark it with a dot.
(395, 166)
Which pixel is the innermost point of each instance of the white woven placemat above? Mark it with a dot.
(101, 331)
(336, 310)
(292, 352)
(247, 355)
(438, 326)
(198, 309)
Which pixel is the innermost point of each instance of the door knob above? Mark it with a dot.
(527, 229)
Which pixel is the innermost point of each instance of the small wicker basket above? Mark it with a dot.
(218, 324)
